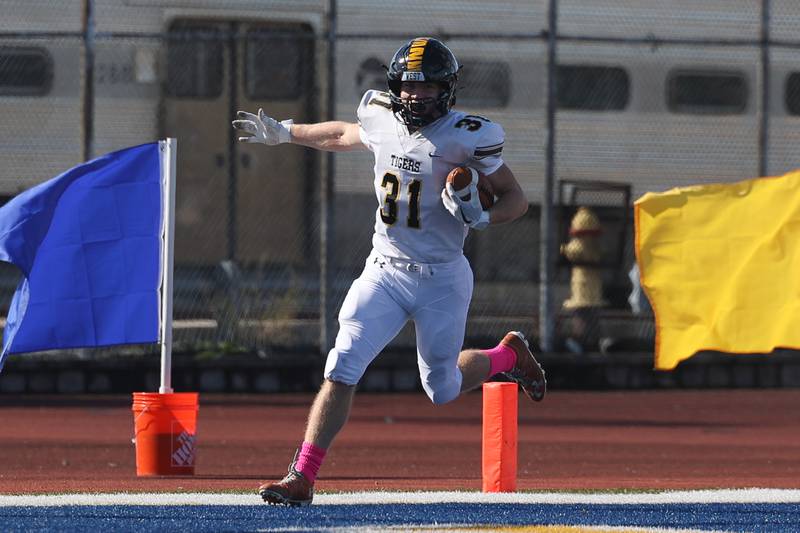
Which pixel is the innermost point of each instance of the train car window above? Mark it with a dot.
(484, 84)
(592, 87)
(792, 93)
(25, 71)
(278, 63)
(716, 93)
(194, 62)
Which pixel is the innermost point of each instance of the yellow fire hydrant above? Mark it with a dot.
(584, 251)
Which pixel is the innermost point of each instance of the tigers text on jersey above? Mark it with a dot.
(410, 172)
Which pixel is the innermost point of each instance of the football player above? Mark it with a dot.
(417, 269)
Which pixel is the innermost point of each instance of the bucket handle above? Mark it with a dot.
(136, 419)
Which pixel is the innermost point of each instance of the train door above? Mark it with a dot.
(275, 190)
(197, 112)
(237, 201)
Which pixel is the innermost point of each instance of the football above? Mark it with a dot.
(461, 177)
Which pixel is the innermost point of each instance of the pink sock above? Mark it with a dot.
(502, 359)
(309, 460)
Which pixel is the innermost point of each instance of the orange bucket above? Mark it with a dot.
(165, 428)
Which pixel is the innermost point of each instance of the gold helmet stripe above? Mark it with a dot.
(415, 54)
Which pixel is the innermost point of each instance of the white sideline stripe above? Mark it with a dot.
(754, 495)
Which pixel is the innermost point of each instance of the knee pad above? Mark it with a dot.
(442, 391)
(339, 370)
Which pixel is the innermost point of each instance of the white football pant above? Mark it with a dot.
(388, 293)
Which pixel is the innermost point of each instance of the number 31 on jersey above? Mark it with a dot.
(391, 186)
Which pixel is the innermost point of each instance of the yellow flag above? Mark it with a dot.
(721, 267)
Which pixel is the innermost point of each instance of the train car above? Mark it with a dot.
(644, 97)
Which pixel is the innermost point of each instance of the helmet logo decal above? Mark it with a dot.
(413, 76)
(415, 53)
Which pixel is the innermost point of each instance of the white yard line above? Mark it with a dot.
(352, 498)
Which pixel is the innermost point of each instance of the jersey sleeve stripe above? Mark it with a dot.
(481, 152)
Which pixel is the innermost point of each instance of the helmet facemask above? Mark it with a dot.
(420, 112)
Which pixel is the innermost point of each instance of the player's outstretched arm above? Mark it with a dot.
(334, 136)
(511, 202)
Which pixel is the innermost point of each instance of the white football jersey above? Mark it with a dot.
(410, 171)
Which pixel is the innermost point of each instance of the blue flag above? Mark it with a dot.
(88, 243)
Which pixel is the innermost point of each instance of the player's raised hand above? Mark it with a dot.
(262, 128)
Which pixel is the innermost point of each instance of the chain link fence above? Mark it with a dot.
(647, 96)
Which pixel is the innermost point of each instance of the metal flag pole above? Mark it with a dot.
(169, 152)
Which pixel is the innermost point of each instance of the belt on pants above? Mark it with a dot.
(423, 269)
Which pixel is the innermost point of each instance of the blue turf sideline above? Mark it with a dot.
(757, 510)
(753, 495)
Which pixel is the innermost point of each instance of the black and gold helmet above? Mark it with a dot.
(428, 60)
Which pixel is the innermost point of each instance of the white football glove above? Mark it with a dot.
(468, 211)
(262, 128)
